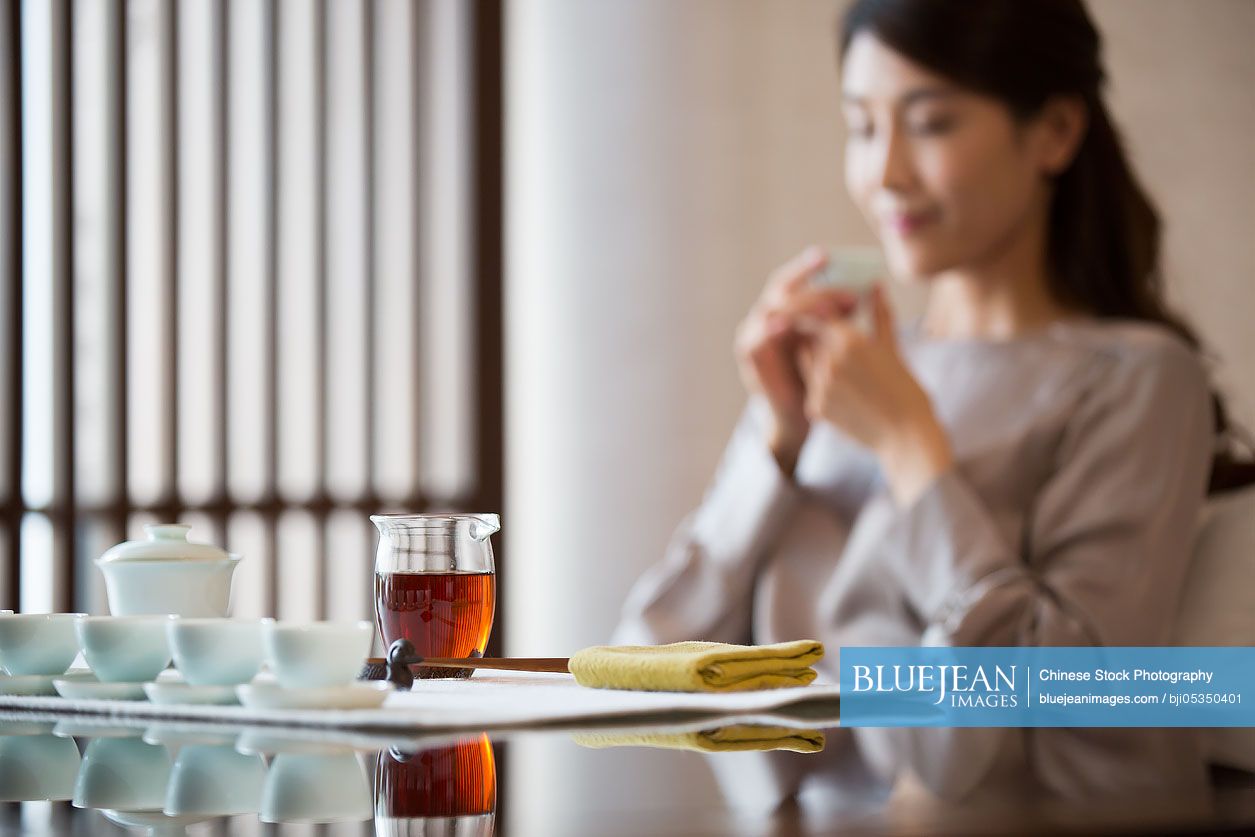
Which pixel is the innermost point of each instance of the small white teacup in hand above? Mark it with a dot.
(317, 654)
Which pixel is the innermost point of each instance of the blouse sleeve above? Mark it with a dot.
(703, 587)
(1107, 547)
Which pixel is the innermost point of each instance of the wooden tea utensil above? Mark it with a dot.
(559, 664)
(401, 659)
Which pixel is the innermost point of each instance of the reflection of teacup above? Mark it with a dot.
(317, 654)
(312, 788)
(38, 643)
(124, 649)
(216, 652)
(37, 767)
(123, 773)
(156, 822)
(214, 780)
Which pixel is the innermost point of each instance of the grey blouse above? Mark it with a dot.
(1082, 453)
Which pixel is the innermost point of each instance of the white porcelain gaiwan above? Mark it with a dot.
(167, 573)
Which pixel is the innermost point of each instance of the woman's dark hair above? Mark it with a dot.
(1104, 230)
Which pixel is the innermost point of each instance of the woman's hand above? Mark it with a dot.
(771, 353)
(859, 383)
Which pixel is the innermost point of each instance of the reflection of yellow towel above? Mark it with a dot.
(733, 739)
(697, 666)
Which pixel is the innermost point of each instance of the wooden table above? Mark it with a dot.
(548, 782)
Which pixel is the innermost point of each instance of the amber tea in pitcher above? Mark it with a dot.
(442, 614)
(435, 585)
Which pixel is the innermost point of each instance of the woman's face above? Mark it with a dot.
(945, 176)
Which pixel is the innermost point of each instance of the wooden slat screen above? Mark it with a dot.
(251, 279)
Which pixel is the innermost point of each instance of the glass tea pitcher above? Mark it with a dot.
(435, 584)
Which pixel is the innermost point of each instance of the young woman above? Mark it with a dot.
(1022, 466)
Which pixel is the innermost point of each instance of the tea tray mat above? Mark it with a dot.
(504, 699)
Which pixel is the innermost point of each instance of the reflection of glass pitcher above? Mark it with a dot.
(444, 790)
(435, 584)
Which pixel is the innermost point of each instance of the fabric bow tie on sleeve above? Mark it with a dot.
(697, 666)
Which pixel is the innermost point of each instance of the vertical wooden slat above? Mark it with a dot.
(486, 269)
(361, 563)
(169, 116)
(417, 28)
(270, 39)
(11, 267)
(64, 517)
(221, 160)
(321, 291)
(119, 162)
(371, 239)
(418, 20)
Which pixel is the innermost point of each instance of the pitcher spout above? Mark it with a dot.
(482, 526)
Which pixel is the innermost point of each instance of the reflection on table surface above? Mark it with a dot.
(74, 775)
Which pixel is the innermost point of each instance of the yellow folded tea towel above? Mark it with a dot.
(697, 666)
(731, 739)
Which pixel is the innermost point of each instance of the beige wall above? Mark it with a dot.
(663, 156)
(1182, 73)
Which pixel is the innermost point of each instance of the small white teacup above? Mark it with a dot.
(124, 773)
(125, 649)
(214, 780)
(38, 643)
(37, 767)
(315, 788)
(317, 654)
(216, 652)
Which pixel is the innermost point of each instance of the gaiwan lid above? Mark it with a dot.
(166, 542)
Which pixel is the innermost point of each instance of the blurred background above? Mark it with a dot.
(268, 267)
(271, 265)
(663, 157)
